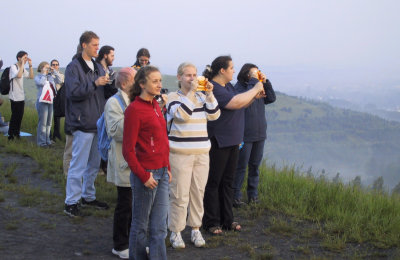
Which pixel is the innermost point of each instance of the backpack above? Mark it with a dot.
(104, 141)
(59, 102)
(5, 82)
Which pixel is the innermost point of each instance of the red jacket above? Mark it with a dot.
(145, 142)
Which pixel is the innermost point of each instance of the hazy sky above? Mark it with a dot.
(332, 34)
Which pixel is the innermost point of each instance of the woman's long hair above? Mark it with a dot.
(141, 78)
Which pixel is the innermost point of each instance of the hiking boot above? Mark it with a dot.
(72, 210)
(238, 203)
(123, 254)
(94, 203)
(197, 239)
(176, 240)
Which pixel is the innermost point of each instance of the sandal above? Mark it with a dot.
(235, 226)
(215, 231)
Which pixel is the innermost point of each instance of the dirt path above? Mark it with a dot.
(34, 230)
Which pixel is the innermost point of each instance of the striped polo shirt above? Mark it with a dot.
(187, 122)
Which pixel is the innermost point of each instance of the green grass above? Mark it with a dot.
(343, 213)
(348, 213)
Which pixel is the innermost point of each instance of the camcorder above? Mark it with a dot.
(158, 97)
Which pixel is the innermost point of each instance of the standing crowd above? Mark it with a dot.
(176, 160)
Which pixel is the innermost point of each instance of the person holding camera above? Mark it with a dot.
(17, 94)
(226, 133)
(84, 87)
(187, 116)
(44, 103)
(255, 133)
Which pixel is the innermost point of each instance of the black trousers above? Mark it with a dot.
(56, 131)
(17, 113)
(218, 196)
(122, 218)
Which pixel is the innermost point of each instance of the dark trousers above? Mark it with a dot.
(17, 112)
(56, 131)
(122, 218)
(250, 155)
(218, 196)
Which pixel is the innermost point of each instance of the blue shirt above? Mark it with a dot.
(228, 129)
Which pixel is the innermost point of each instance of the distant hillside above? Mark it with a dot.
(310, 133)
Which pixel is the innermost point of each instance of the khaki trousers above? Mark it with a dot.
(67, 153)
(189, 179)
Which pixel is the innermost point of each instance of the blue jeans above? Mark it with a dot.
(84, 166)
(149, 211)
(45, 113)
(251, 154)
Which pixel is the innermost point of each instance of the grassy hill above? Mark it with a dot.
(310, 133)
(301, 216)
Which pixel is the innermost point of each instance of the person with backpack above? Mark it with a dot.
(16, 94)
(84, 86)
(59, 103)
(118, 171)
(146, 150)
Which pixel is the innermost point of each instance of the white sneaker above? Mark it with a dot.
(197, 239)
(123, 254)
(176, 240)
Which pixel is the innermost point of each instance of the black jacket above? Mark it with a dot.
(255, 127)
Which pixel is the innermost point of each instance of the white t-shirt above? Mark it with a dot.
(90, 64)
(17, 84)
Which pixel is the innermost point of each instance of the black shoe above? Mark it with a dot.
(253, 200)
(94, 203)
(237, 203)
(72, 210)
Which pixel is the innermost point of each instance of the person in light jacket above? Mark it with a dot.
(45, 110)
(118, 171)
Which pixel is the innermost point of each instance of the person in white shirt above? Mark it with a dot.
(17, 95)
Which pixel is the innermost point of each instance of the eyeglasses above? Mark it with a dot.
(55, 65)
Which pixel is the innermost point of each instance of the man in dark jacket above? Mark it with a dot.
(84, 83)
(255, 133)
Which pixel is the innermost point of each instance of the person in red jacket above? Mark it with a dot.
(145, 148)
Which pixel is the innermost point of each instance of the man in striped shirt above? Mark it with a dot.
(188, 111)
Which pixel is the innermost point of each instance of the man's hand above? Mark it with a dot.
(101, 81)
(29, 61)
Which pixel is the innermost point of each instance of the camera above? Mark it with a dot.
(158, 97)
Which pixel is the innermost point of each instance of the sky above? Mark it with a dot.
(296, 34)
